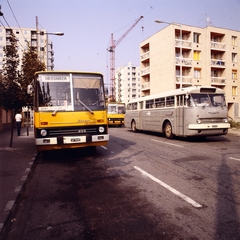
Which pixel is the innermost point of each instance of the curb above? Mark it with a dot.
(11, 207)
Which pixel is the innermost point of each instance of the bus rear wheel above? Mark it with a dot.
(168, 130)
(133, 126)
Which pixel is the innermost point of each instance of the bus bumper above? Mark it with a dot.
(212, 129)
(71, 142)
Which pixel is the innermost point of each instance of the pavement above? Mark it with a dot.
(16, 164)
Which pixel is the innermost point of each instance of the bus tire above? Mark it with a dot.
(133, 126)
(168, 130)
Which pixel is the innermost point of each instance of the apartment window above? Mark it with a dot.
(234, 91)
(196, 37)
(197, 55)
(197, 73)
(234, 41)
(234, 57)
(234, 74)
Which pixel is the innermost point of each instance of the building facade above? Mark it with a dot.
(25, 36)
(127, 83)
(181, 55)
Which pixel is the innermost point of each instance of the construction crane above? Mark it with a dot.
(111, 49)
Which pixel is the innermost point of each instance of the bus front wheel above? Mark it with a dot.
(133, 126)
(168, 130)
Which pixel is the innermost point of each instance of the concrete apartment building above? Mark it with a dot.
(24, 36)
(207, 56)
(127, 83)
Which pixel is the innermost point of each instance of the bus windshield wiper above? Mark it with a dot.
(55, 111)
(85, 106)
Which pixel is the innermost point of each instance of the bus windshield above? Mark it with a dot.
(205, 100)
(65, 92)
(116, 108)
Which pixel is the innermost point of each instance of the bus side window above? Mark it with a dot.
(149, 104)
(170, 101)
(141, 105)
(157, 102)
(181, 100)
(135, 106)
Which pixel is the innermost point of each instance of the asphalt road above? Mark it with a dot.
(141, 186)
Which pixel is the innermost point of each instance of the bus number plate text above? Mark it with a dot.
(75, 140)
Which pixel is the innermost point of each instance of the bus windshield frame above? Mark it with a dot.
(69, 92)
(207, 100)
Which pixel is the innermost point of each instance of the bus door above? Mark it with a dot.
(179, 115)
(147, 116)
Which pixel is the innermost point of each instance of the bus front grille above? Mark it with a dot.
(212, 120)
(69, 132)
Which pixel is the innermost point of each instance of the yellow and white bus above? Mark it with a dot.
(115, 114)
(69, 110)
(192, 111)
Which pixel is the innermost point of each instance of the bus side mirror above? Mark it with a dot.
(30, 89)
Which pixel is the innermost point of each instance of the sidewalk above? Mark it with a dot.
(16, 164)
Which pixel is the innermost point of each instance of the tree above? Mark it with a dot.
(30, 64)
(10, 86)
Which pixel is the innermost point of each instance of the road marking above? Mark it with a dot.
(104, 147)
(238, 159)
(184, 197)
(176, 145)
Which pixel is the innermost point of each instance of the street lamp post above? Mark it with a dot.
(181, 57)
(49, 33)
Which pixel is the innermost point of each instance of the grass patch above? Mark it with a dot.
(234, 124)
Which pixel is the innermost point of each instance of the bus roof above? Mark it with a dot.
(192, 89)
(65, 72)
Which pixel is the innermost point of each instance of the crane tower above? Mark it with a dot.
(111, 49)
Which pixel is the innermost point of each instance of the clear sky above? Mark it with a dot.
(88, 24)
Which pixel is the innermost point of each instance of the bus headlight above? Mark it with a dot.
(199, 121)
(225, 120)
(101, 129)
(43, 132)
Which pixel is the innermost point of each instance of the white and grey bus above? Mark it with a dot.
(187, 112)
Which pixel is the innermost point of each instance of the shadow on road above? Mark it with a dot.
(227, 218)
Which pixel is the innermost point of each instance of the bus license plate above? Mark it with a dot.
(75, 140)
(214, 126)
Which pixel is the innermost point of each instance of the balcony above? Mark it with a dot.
(185, 61)
(186, 80)
(145, 86)
(218, 63)
(183, 43)
(218, 81)
(145, 71)
(218, 45)
(145, 56)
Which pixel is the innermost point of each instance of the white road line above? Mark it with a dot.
(184, 197)
(104, 147)
(238, 159)
(176, 145)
